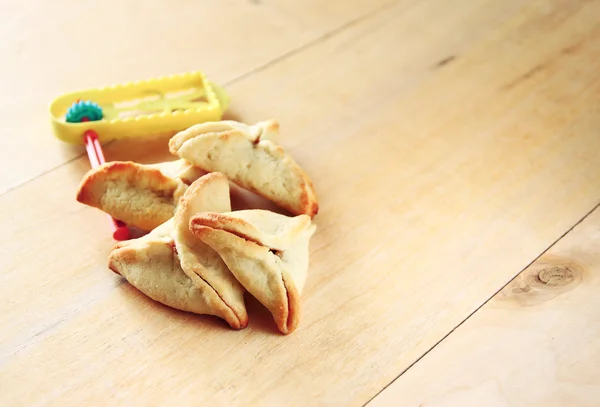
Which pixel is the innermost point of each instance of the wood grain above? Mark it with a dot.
(56, 47)
(534, 344)
(444, 161)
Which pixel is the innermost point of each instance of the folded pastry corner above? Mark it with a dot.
(269, 130)
(198, 260)
(136, 194)
(268, 254)
(180, 169)
(176, 269)
(274, 230)
(264, 130)
(250, 159)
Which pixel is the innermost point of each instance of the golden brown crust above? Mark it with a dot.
(153, 267)
(261, 167)
(136, 194)
(179, 169)
(293, 300)
(199, 261)
(171, 266)
(244, 240)
(267, 228)
(249, 262)
(205, 181)
(180, 138)
(265, 130)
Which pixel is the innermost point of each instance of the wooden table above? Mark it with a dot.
(455, 149)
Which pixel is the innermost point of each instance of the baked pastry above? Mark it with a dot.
(180, 169)
(266, 252)
(144, 196)
(174, 268)
(265, 130)
(248, 156)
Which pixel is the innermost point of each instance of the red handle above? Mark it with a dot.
(94, 151)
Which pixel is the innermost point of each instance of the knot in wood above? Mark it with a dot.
(555, 276)
(549, 277)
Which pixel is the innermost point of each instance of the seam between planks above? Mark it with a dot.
(334, 32)
(443, 338)
(294, 51)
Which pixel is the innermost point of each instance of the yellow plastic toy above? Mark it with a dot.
(133, 110)
(137, 109)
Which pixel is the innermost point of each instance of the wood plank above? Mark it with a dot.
(432, 160)
(534, 344)
(61, 46)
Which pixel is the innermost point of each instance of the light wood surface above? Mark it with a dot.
(450, 144)
(55, 47)
(534, 344)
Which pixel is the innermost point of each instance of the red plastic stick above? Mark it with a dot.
(94, 151)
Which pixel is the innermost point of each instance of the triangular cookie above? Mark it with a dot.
(268, 254)
(265, 130)
(143, 196)
(251, 160)
(172, 267)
